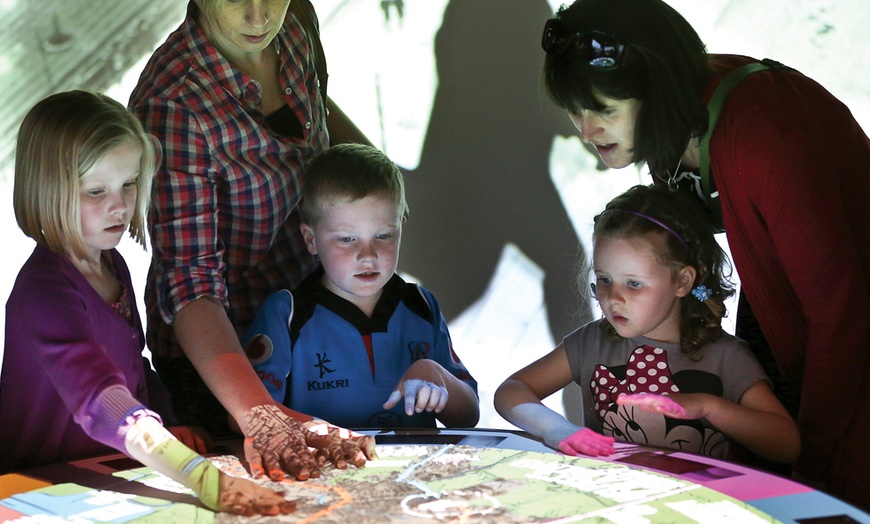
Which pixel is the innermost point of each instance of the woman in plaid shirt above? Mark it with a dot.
(237, 97)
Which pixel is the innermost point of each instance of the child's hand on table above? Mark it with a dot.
(665, 404)
(423, 388)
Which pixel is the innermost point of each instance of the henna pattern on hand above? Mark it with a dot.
(275, 443)
(339, 445)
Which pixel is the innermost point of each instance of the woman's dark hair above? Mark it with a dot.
(665, 66)
(637, 212)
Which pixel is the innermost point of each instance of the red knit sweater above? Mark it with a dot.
(793, 170)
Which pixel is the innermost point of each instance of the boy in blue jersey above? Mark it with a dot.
(355, 344)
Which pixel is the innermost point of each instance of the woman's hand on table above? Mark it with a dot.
(276, 443)
(339, 445)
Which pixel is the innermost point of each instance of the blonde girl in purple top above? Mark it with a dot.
(74, 382)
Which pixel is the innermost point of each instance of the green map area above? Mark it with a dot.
(425, 484)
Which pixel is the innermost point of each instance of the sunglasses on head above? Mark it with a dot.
(595, 48)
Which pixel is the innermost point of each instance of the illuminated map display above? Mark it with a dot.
(419, 483)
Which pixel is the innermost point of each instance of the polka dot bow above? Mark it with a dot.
(646, 372)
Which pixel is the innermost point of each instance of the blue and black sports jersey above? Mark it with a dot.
(319, 354)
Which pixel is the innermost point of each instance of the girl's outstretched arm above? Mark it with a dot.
(759, 422)
(150, 443)
(518, 400)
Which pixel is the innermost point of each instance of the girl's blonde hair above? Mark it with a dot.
(682, 223)
(60, 138)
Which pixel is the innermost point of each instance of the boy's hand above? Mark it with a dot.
(193, 437)
(587, 442)
(423, 388)
(339, 445)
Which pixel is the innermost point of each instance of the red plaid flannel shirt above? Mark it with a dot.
(224, 220)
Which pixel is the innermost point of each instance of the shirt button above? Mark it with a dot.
(307, 125)
(288, 91)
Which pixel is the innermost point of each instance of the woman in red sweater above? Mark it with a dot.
(790, 175)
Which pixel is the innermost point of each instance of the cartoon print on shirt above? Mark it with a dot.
(647, 371)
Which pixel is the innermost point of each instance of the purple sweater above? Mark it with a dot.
(72, 368)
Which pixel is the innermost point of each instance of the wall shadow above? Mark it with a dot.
(483, 179)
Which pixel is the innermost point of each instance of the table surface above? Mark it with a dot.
(781, 498)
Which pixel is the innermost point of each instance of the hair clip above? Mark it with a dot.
(702, 293)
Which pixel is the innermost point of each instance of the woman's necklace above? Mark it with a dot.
(675, 177)
(689, 179)
(673, 181)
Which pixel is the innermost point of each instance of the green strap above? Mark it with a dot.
(714, 108)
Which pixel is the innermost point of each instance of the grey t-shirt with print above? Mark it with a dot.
(605, 369)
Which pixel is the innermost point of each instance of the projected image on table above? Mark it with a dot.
(501, 190)
(426, 483)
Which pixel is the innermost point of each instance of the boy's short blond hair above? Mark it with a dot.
(350, 172)
(60, 138)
